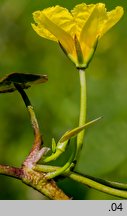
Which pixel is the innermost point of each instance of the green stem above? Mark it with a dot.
(117, 185)
(98, 186)
(68, 164)
(112, 188)
(60, 148)
(82, 117)
(61, 170)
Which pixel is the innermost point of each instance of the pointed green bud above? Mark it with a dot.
(62, 145)
(53, 145)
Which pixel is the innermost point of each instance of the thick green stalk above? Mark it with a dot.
(98, 186)
(82, 116)
(112, 188)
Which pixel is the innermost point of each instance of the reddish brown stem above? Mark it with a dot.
(35, 153)
(36, 180)
(11, 171)
(39, 182)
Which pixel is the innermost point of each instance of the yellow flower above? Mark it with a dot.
(77, 31)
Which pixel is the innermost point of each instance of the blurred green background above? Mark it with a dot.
(57, 102)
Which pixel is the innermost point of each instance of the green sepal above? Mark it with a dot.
(80, 62)
(67, 54)
(64, 50)
(68, 135)
(92, 52)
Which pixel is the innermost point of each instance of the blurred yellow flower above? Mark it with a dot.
(77, 31)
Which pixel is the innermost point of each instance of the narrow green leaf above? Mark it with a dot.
(77, 130)
(78, 51)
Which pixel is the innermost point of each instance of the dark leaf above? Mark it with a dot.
(24, 80)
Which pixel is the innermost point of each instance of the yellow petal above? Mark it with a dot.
(41, 30)
(112, 18)
(81, 13)
(89, 32)
(61, 17)
(92, 26)
(55, 23)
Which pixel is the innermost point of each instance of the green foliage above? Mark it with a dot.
(57, 102)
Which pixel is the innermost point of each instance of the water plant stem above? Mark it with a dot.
(82, 116)
(112, 188)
